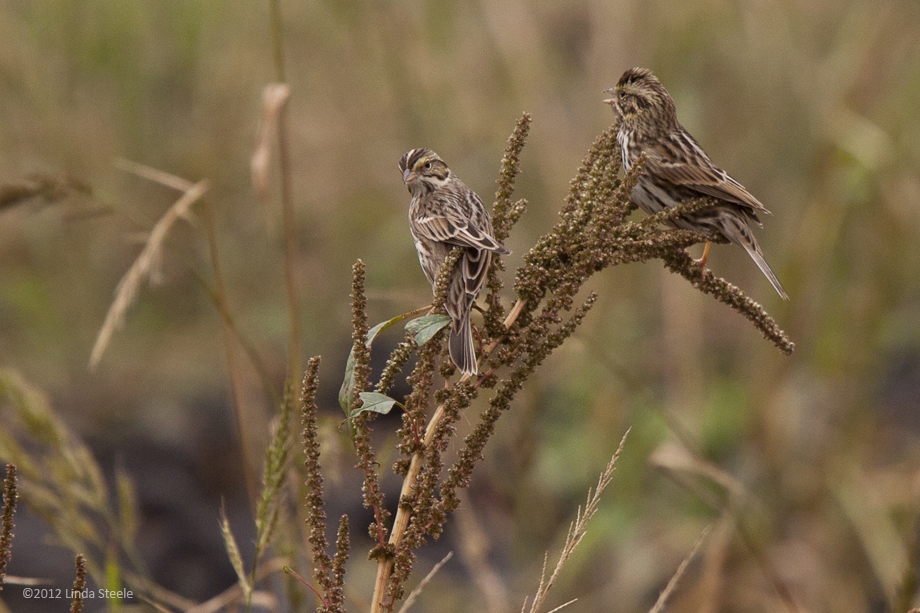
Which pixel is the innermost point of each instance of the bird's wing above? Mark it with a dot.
(700, 175)
(446, 222)
(473, 270)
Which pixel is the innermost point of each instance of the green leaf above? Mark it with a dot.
(346, 394)
(374, 402)
(424, 328)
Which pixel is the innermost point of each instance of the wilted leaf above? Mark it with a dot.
(346, 394)
(424, 328)
(374, 402)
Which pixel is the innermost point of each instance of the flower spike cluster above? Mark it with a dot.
(593, 233)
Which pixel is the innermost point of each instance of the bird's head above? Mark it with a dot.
(640, 100)
(423, 171)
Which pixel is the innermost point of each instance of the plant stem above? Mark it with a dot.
(233, 365)
(401, 521)
(274, 7)
(289, 219)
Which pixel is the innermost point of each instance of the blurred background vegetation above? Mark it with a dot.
(811, 104)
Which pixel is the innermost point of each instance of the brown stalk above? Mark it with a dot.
(290, 247)
(287, 200)
(401, 521)
(274, 102)
(413, 596)
(218, 295)
(233, 364)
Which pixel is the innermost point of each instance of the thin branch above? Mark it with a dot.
(563, 605)
(140, 270)
(681, 263)
(244, 411)
(672, 584)
(315, 591)
(153, 174)
(414, 594)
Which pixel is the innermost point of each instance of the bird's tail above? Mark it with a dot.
(738, 232)
(462, 349)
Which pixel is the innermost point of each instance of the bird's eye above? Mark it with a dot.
(623, 95)
(427, 165)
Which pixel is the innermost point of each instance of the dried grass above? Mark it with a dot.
(143, 267)
(577, 531)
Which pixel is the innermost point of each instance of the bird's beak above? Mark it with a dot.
(610, 101)
(408, 175)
